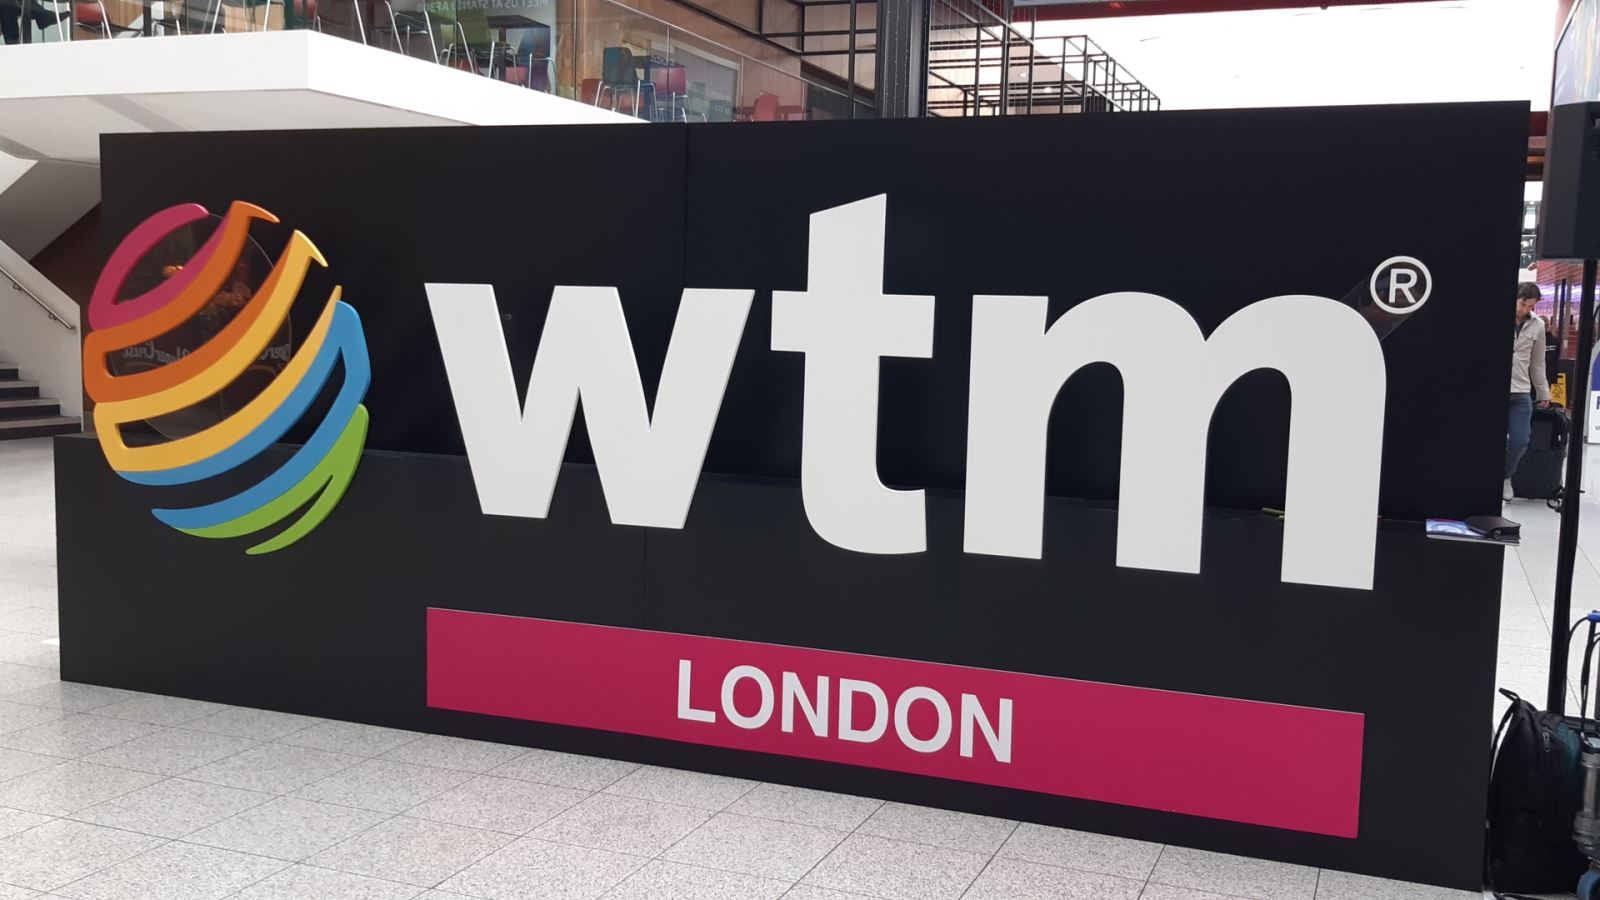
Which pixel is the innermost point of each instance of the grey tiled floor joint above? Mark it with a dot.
(116, 795)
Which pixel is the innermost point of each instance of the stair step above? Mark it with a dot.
(16, 389)
(8, 371)
(29, 408)
(16, 429)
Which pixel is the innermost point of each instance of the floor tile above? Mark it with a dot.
(412, 851)
(30, 650)
(498, 804)
(41, 575)
(353, 738)
(57, 853)
(156, 709)
(19, 762)
(16, 821)
(75, 735)
(896, 870)
(531, 869)
(713, 792)
(17, 716)
(823, 809)
(811, 892)
(67, 787)
(584, 773)
(171, 808)
(309, 883)
(623, 824)
(1013, 879)
(170, 751)
(455, 753)
(938, 827)
(1332, 885)
(254, 724)
(14, 678)
(1153, 891)
(733, 843)
(1238, 876)
(658, 880)
(175, 871)
(274, 768)
(31, 620)
(289, 829)
(383, 785)
(70, 696)
(35, 595)
(1084, 850)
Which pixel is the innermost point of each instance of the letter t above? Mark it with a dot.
(843, 322)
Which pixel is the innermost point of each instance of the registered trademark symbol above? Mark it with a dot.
(1400, 284)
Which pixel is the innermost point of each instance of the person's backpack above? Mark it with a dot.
(1534, 792)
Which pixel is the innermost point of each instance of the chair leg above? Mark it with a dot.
(394, 28)
(427, 22)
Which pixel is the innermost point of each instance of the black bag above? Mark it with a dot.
(1538, 476)
(1535, 788)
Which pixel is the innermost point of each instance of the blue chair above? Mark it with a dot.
(618, 73)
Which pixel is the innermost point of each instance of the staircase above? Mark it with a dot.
(24, 414)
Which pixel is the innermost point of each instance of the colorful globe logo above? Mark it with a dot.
(241, 328)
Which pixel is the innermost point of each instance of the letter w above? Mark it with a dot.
(648, 465)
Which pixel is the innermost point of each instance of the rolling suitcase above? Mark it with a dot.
(1538, 476)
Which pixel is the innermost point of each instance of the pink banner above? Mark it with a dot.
(1268, 764)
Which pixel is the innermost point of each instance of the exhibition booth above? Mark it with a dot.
(1090, 501)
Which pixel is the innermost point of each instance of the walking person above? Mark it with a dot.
(1528, 379)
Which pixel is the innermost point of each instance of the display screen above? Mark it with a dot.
(1577, 77)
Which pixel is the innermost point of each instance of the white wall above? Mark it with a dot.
(11, 169)
(44, 350)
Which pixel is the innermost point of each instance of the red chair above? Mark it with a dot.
(671, 90)
(90, 16)
(766, 108)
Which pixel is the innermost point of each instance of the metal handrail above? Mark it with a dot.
(17, 285)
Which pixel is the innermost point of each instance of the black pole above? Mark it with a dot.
(1005, 60)
(1567, 547)
(850, 78)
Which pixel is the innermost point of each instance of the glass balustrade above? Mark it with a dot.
(645, 64)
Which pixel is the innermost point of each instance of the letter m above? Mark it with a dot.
(1172, 379)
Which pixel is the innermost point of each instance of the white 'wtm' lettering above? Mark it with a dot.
(649, 462)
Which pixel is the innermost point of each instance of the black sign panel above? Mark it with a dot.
(1214, 211)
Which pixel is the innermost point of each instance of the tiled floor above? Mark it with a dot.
(112, 795)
